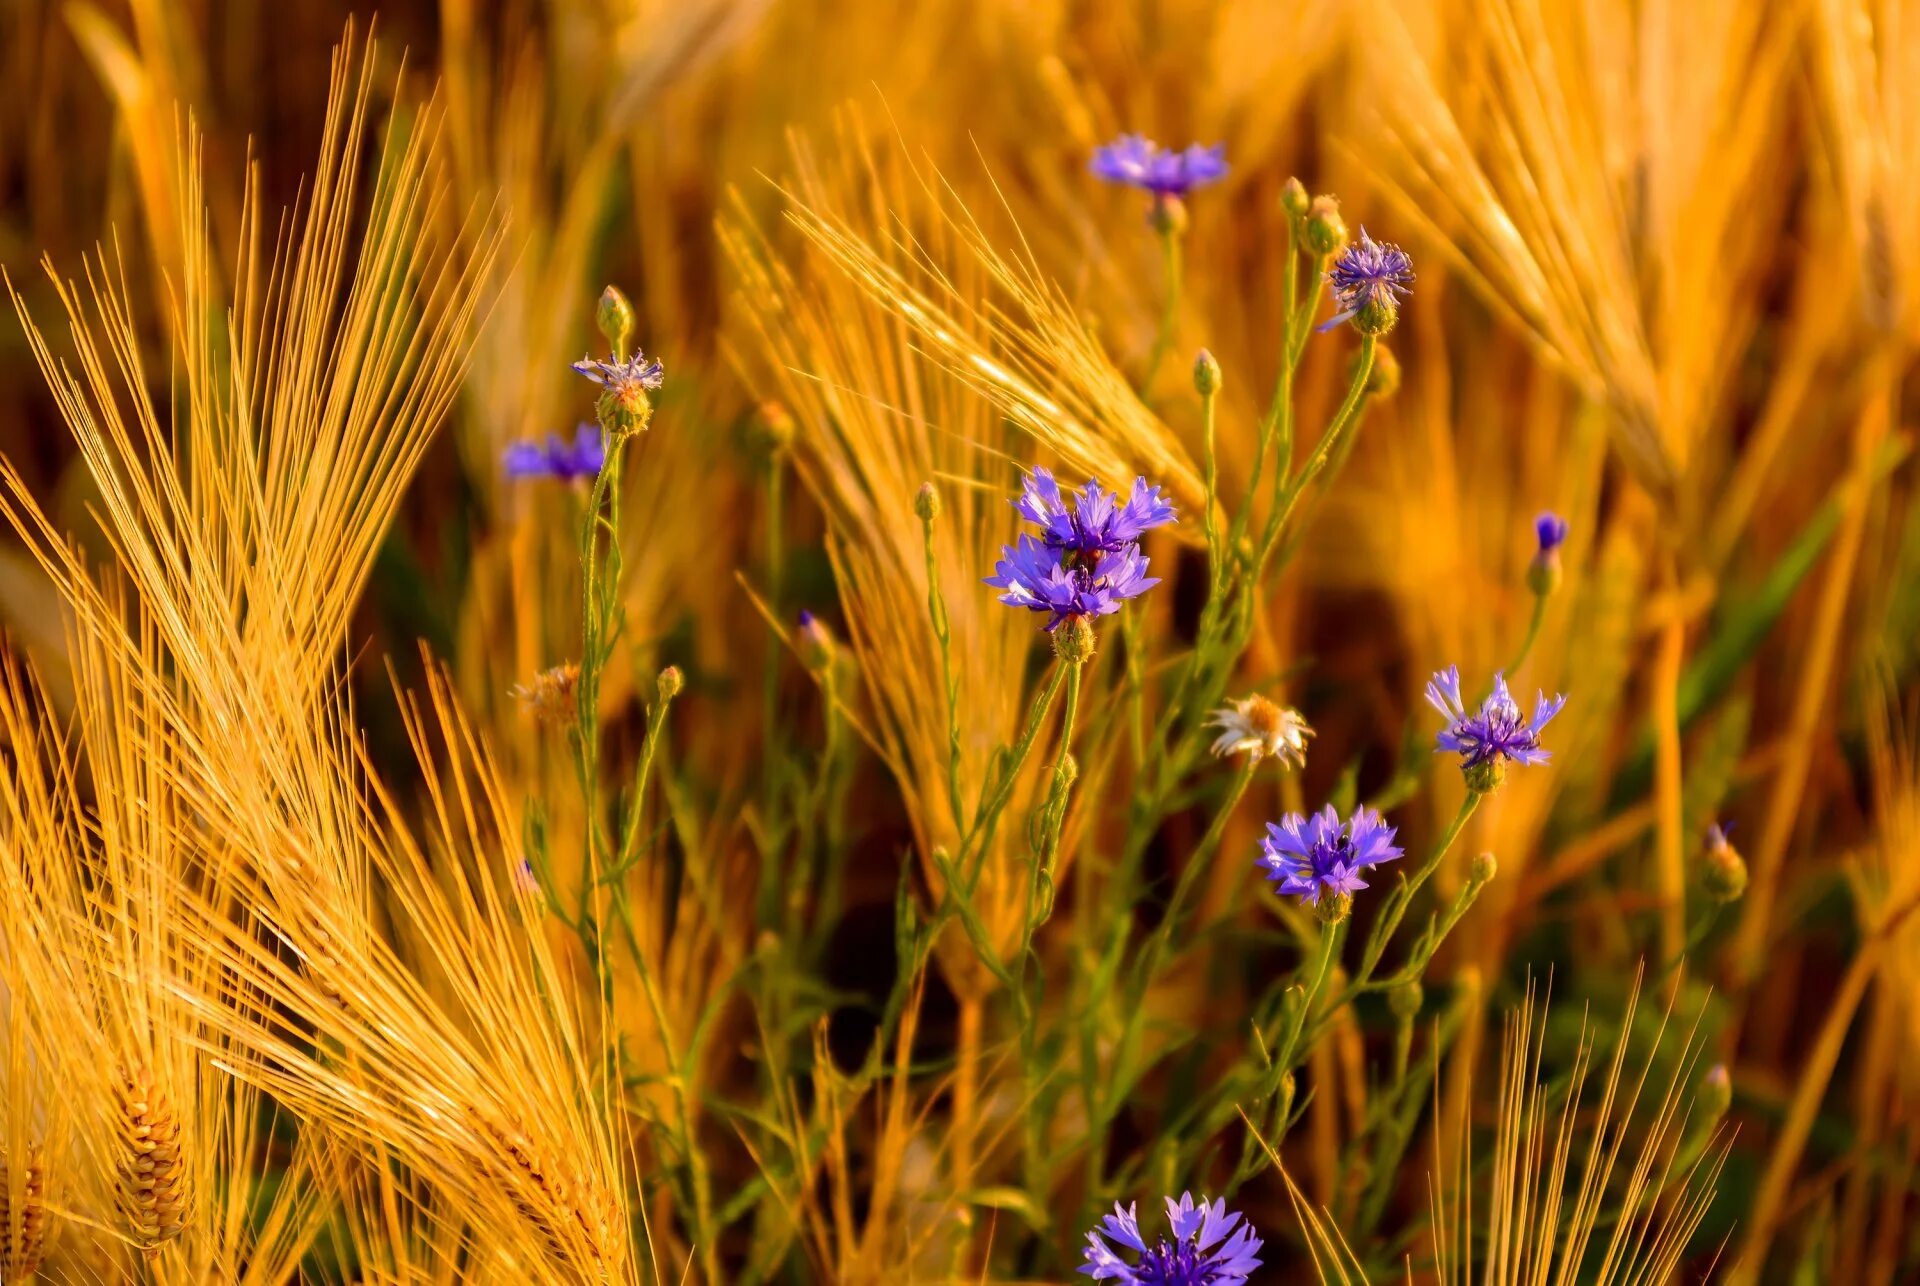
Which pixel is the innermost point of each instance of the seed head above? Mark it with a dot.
(23, 1226)
(151, 1171)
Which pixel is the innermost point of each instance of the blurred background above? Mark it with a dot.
(1668, 261)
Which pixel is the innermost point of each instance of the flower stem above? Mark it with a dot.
(942, 631)
(1170, 306)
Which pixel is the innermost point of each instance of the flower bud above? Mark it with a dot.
(1543, 573)
(1406, 1000)
(1294, 199)
(1485, 867)
(1168, 215)
(1073, 640)
(614, 317)
(670, 682)
(926, 502)
(1716, 1092)
(815, 643)
(1206, 374)
(1723, 871)
(770, 428)
(1326, 230)
(1383, 381)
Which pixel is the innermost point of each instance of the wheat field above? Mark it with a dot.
(782, 641)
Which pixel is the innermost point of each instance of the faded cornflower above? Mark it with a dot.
(624, 406)
(1368, 280)
(1210, 1246)
(568, 460)
(1308, 856)
(1489, 737)
(1258, 728)
(550, 697)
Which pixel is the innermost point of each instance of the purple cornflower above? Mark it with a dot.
(1551, 528)
(1044, 579)
(1088, 560)
(1098, 523)
(1495, 733)
(1368, 280)
(1139, 162)
(557, 457)
(1209, 1247)
(1308, 856)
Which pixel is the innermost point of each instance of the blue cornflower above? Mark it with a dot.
(1088, 560)
(1368, 280)
(1098, 522)
(1551, 528)
(1308, 856)
(1043, 579)
(557, 457)
(1209, 1247)
(1495, 733)
(1141, 163)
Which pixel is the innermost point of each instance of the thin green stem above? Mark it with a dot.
(942, 631)
(979, 837)
(1170, 304)
(1533, 633)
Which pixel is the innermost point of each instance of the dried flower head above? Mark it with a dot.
(624, 406)
(1368, 280)
(1261, 729)
(1308, 856)
(568, 460)
(1209, 1247)
(1137, 161)
(550, 697)
(1494, 734)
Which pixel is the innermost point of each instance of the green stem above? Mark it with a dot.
(942, 631)
(1170, 305)
(979, 837)
(1533, 633)
(1289, 490)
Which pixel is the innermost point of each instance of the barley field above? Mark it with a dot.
(787, 641)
